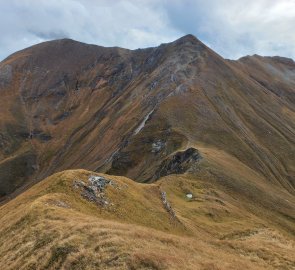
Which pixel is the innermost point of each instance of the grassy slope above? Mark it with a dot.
(197, 97)
(51, 226)
(240, 217)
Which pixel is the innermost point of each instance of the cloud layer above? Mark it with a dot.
(233, 28)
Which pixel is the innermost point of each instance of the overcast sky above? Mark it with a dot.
(233, 28)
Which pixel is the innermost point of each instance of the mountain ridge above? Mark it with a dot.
(194, 63)
(173, 145)
(133, 225)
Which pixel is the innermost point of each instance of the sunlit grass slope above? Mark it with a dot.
(51, 226)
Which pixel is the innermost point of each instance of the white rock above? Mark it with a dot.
(157, 146)
(189, 196)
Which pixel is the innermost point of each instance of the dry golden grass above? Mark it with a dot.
(51, 226)
(242, 214)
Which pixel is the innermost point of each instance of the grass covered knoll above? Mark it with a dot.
(51, 226)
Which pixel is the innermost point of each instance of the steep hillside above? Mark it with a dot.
(69, 221)
(208, 143)
(66, 104)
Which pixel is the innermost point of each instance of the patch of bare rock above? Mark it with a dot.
(94, 189)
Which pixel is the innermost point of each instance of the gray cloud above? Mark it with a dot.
(239, 27)
(233, 28)
(49, 35)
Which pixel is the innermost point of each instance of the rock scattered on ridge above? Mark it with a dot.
(167, 204)
(94, 191)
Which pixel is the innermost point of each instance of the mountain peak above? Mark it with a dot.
(190, 43)
(187, 39)
(198, 130)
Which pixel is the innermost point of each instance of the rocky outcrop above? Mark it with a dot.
(178, 163)
(94, 190)
(167, 205)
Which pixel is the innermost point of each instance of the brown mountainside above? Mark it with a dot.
(66, 105)
(210, 141)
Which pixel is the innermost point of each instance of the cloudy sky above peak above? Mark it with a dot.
(233, 28)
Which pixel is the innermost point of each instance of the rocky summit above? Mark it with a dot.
(129, 157)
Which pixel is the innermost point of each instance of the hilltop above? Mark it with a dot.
(55, 226)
